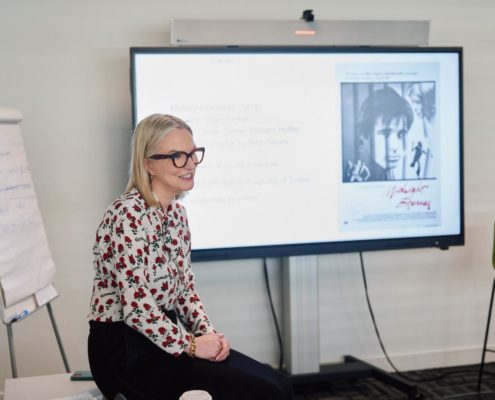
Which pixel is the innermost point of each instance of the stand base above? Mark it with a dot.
(353, 368)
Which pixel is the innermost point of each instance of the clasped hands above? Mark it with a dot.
(212, 347)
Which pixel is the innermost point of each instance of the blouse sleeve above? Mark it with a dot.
(127, 250)
(190, 308)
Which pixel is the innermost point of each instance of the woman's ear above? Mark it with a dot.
(148, 168)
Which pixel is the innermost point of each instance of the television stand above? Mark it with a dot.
(301, 334)
(353, 368)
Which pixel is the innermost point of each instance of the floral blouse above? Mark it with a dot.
(142, 268)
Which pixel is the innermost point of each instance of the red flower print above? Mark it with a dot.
(128, 273)
(109, 302)
(161, 330)
(175, 330)
(174, 242)
(152, 290)
(170, 339)
(149, 331)
(106, 239)
(134, 304)
(194, 298)
(101, 308)
(132, 260)
(120, 248)
(103, 284)
(121, 264)
(146, 306)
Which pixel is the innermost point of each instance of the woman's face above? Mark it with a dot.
(166, 178)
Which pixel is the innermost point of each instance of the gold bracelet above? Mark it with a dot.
(192, 351)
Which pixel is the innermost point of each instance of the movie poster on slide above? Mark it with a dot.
(390, 146)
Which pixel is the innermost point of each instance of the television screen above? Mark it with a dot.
(313, 150)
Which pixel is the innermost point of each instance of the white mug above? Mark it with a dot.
(195, 395)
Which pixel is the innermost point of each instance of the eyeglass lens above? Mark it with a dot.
(181, 159)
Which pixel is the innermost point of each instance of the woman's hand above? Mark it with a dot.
(225, 348)
(213, 347)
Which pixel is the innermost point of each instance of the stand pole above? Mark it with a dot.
(487, 331)
(59, 341)
(10, 337)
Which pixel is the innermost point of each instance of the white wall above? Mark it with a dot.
(64, 64)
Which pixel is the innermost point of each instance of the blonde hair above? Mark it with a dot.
(148, 133)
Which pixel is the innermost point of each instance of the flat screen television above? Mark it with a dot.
(313, 150)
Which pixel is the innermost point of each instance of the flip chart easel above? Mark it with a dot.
(27, 271)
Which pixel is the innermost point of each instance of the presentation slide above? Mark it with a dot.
(313, 147)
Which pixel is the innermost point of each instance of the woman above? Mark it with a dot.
(150, 337)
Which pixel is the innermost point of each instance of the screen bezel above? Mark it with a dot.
(285, 250)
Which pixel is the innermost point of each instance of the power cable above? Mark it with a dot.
(396, 370)
(274, 315)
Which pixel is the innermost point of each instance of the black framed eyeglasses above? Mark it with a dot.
(180, 158)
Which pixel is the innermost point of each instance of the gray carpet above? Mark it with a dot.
(456, 383)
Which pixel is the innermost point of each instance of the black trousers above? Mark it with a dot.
(124, 361)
